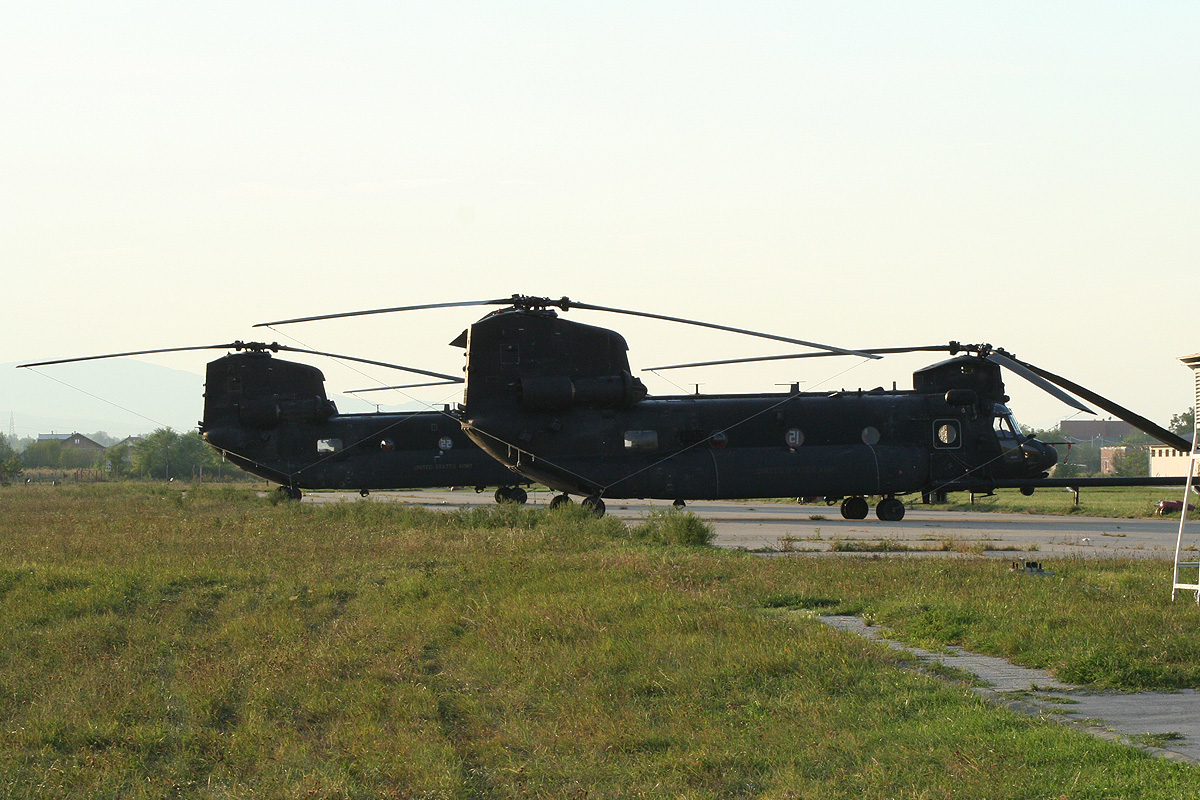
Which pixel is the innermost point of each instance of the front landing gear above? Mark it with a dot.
(559, 500)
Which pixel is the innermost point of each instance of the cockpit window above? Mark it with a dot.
(1004, 422)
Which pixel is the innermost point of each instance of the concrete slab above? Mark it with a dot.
(1166, 724)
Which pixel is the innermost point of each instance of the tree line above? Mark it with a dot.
(161, 455)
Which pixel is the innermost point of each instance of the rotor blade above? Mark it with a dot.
(447, 378)
(460, 304)
(228, 346)
(714, 326)
(405, 386)
(1136, 420)
(522, 301)
(257, 346)
(877, 351)
(1045, 385)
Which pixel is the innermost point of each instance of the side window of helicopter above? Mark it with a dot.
(329, 445)
(946, 434)
(641, 440)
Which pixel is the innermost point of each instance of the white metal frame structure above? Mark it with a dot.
(1192, 361)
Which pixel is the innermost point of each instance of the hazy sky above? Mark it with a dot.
(856, 173)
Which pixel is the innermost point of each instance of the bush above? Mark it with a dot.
(675, 527)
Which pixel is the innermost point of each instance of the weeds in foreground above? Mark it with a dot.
(1157, 739)
(674, 527)
(167, 645)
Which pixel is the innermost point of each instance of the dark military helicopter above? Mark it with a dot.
(555, 400)
(273, 418)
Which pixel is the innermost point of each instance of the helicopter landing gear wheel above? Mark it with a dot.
(364, 492)
(559, 500)
(890, 509)
(290, 493)
(855, 508)
(511, 494)
(680, 504)
(594, 504)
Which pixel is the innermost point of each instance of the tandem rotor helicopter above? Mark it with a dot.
(555, 402)
(272, 418)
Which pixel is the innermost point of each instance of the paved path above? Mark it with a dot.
(1166, 724)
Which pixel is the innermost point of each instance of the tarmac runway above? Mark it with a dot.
(782, 527)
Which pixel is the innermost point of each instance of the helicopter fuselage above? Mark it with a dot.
(555, 401)
(271, 417)
(767, 445)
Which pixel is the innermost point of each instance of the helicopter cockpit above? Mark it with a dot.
(1018, 450)
(1005, 423)
(1008, 433)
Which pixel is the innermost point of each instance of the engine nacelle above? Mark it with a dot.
(558, 392)
(257, 391)
(541, 362)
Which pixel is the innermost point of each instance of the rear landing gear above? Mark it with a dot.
(559, 500)
(890, 509)
(511, 494)
(855, 508)
(290, 492)
(594, 504)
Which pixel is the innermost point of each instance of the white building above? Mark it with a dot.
(1167, 462)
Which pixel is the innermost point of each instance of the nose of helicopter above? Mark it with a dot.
(1039, 457)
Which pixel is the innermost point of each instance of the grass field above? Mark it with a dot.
(1108, 501)
(214, 644)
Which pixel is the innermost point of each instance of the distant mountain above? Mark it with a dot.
(122, 397)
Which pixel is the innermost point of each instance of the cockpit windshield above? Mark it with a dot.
(1004, 422)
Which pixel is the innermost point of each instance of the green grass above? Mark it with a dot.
(212, 644)
(1105, 623)
(1114, 501)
